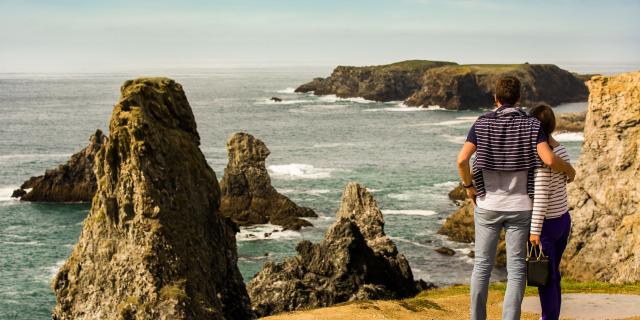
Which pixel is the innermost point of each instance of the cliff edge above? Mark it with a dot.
(605, 197)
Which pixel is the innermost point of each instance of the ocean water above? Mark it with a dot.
(404, 156)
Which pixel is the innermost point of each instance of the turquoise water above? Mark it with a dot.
(405, 156)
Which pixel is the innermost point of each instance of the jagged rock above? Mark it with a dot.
(70, 182)
(604, 200)
(354, 261)
(446, 251)
(17, 193)
(570, 122)
(459, 227)
(458, 193)
(154, 245)
(247, 195)
(447, 84)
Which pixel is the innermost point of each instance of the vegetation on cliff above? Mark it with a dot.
(447, 84)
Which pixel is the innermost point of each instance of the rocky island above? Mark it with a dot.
(449, 85)
(247, 194)
(73, 181)
(154, 245)
(354, 261)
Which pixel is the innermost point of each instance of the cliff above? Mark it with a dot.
(154, 245)
(354, 261)
(247, 194)
(73, 181)
(605, 197)
(449, 85)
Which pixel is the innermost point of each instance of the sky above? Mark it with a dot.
(104, 36)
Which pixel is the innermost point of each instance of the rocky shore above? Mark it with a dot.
(247, 194)
(605, 197)
(354, 261)
(73, 181)
(154, 245)
(449, 85)
(571, 122)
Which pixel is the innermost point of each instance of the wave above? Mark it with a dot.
(454, 139)
(417, 244)
(265, 232)
(6, 192)
(334, 145)
(313, 192)
(319, 107)
(458, 121)
(334, 98)
(53, 270)
(299, 171)
(283, 102)
(569, 136)
(287, 90)
(425, 213)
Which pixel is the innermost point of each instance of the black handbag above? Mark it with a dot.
(537, 267)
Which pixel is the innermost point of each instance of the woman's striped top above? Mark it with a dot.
(550, 196)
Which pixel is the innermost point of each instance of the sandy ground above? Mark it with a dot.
(575, 306)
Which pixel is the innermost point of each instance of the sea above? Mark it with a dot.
(405, 156)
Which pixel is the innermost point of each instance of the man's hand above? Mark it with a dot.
(534, 239)
(571, 175)
(471, 194)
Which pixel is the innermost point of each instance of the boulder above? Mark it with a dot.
(247, 194)
(354, 261)
(154, 245)
(73, 181)
(604, 200)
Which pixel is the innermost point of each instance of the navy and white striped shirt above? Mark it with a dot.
(506, 140)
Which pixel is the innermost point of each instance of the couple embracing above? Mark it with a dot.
(517, 181)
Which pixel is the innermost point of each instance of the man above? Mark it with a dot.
(508, 145)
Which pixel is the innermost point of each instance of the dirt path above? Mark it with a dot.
(594, 306)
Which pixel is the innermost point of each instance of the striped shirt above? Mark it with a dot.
(550, 197)
(506, 140)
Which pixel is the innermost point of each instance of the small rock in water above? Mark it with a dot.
(267, 234)
(17, 193)
(471, 254)
(445, 251)
(276, 99)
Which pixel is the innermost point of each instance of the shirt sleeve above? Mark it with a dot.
(471, 136)
(542, 181)
(542, 136)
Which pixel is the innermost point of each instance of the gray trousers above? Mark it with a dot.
(488, 225)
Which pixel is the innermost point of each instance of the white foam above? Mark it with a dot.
(283, 102)
(410, 212)
(53, 270)
(459, 120)
(569, 136)
(257, 232)
(313, 192)
(287, 90)
(454, 139)
(334, 145)
(417, 244)
(6, 192)
(299, 171)
(447, 185)
(334, 98)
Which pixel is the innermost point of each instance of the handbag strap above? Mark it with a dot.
(539, 255)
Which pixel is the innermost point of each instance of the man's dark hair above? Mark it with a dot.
(507, 90)
(544, 113)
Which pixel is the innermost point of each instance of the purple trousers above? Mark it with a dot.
(554, 236)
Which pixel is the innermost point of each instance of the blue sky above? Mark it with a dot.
(72, 36)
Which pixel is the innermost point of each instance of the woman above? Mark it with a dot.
(550, 221)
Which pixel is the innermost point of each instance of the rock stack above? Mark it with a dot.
(605, 197)
(154, 245)
(247, 194)
(354, 261)
(73, 181)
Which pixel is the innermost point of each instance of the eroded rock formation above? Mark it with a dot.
(73, 181)
(605, 197)
(354, 261)
(449, 85)
(247, 194)
(459, 225)
(154, 245)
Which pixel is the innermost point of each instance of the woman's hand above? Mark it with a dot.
(471, 194)
(534, 239)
